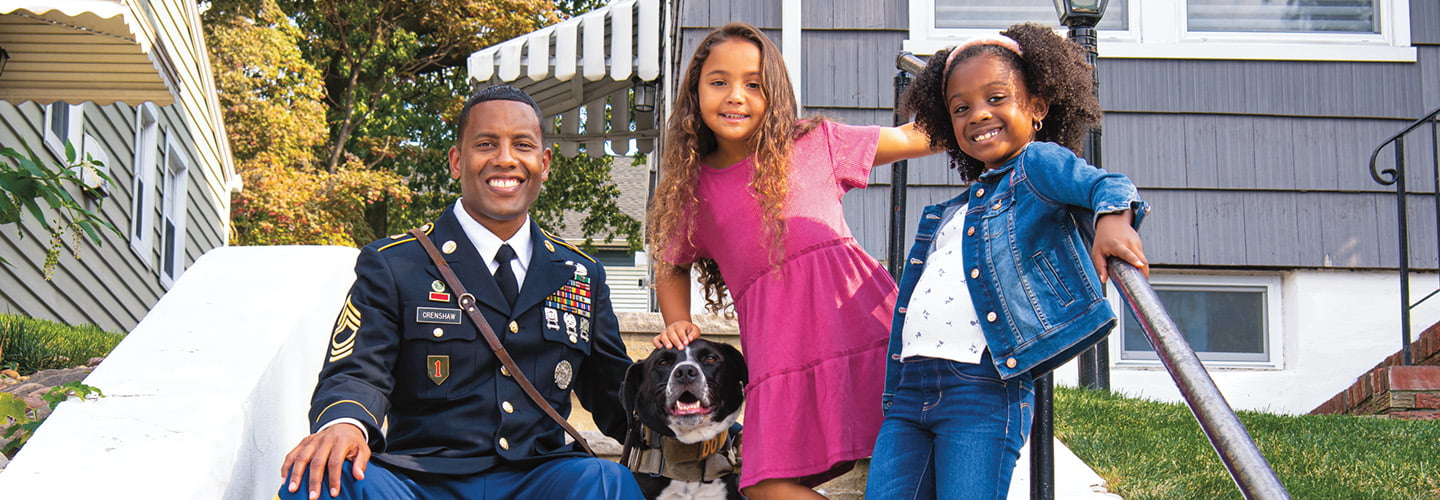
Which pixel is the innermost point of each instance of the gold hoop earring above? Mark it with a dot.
(1038, 124)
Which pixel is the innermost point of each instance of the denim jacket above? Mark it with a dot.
(1031, 279)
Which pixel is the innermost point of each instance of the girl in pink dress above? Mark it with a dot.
(750, 196)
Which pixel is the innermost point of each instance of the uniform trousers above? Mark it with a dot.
(571, 478)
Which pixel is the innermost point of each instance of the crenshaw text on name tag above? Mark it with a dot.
(437, 315)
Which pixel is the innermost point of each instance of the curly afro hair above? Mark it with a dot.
(1054, 69)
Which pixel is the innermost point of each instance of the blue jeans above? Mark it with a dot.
(571, 478)
(954, 431)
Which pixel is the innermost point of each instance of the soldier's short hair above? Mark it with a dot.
(496, 93)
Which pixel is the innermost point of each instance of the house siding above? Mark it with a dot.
(112, 285)
(1248, 164)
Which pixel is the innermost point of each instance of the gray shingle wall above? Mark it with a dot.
(1249, 164)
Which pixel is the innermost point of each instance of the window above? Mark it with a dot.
(1228, 320)
(64, 123)
(88, 174)
(1294, 16)
(1328, 30)
(174, 199)
(142, 187)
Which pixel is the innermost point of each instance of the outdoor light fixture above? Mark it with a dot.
(644, 95)
(4, 58)
(1080, 12)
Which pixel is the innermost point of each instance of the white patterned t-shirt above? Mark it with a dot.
(940, 320)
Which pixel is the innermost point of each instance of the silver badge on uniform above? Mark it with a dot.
(570, 327)
(585, 330)
(563, 374)
(552, 319)
(580, 270)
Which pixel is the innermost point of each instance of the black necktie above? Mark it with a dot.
(505, 275)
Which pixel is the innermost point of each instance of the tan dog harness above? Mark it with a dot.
(697, 462)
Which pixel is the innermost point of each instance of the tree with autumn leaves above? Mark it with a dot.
(340, 113)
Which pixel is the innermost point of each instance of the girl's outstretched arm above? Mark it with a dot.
(672, 289)
(1115, 236)
(902, 143)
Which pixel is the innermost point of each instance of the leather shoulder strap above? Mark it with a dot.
(467, 303)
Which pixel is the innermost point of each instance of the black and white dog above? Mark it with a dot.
(683, 442)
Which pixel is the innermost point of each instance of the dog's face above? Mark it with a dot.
(691, 394)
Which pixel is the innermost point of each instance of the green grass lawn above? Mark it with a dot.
(1151, 450)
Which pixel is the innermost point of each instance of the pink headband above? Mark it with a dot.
(1000, 40)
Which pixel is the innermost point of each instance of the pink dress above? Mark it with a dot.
(815, 331)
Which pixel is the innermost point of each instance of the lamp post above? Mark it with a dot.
(1081, 16)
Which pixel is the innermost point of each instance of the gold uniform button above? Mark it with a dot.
(975, 273)
(505, 443)
(980, 193)
(439, 332)
(1010, 363)
(916, 261)
(991, 317)
(970, 232)
(514, 327)
(509, 408)
(505, 371)
(996, 206)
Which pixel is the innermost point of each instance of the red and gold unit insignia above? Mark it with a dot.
(437, 368)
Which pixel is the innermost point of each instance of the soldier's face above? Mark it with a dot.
(501, 163)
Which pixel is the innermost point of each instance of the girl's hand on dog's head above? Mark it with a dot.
(677, 335)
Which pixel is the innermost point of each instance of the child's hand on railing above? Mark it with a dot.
(1116, 237)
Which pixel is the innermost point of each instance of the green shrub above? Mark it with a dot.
(30, 345)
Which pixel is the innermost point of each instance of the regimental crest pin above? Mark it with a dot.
(563, 374)
(437, 292)
(437, 368)
(448, 247)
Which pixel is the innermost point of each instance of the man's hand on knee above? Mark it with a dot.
(322, 454)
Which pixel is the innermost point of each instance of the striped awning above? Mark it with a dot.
(75, 51)
(583, 67)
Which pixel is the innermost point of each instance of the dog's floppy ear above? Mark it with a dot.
(630, 388)
(735, 361)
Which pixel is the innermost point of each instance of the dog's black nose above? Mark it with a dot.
(686, 373)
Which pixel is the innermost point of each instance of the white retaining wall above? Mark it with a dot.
(1336, 325)
(207, 394)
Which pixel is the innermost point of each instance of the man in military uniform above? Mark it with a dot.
(408, 376)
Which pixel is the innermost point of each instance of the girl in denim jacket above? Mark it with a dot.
(998, 287)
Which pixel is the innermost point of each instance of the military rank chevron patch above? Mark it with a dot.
(342, 341)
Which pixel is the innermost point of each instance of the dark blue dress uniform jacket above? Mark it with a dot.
(450, 407)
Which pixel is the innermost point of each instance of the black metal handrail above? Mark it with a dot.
(1396, 176)
(1251, 472)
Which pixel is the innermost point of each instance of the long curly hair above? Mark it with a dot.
(1054, 70)
(687, 140)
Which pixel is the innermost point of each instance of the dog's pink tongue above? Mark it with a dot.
(682, 408)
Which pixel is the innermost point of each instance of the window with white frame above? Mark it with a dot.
(174, 199)
(1330, 30)
(64, 123)
(97, 162)
(142, 186)
(1229, 320)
